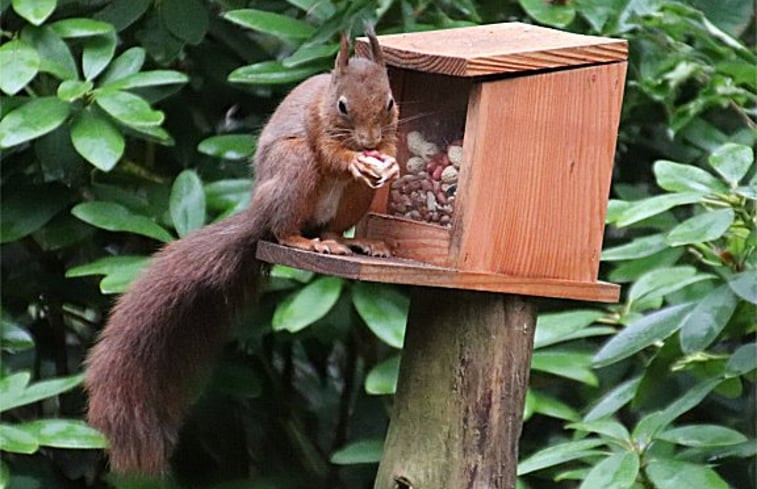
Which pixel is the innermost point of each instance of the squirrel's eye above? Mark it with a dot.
(390, 105)
(342, 106)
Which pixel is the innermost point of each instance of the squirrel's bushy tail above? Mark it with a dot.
(162, 334)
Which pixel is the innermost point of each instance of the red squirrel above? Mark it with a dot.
(314, 180)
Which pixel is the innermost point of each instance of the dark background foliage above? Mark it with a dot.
(128, 123)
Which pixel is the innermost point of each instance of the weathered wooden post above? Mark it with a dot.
(506, 150)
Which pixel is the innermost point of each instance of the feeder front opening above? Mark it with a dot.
(430, 150)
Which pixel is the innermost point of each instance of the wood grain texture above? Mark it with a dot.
(537, 165)
(495, 49)
(410, 239)
(457, 414)
(411, 272)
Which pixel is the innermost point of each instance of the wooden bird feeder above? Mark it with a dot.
(507, 138)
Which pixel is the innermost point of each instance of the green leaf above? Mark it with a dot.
(615, 208)
(15, 440)
(631, 270)
(708, 318)
(382, 379)
(743, 360)
(663, 281)
(12, 388)
(556, 327)
(568, 364)
(673, 474)
(702, 435)
(187, 203)
(185, 19)
(128, 108)
(732, 161)
(32, 120)
(97, 140)
(35, 11)
(289, 273)
(359, 452)
(80, 27)
(648, 427)
(20, 64)
(744, 284)
(618, 471)
(742, 450)
(5, 475)
(320, 9)
(64, 433)
(572, 474)
(598, 12)
(63, 231)
(127, 63)
(151, 133)
(384, 309)
(44, 390)
(545, 12)
(271, 72)
(708, 226)
(106, 265)
(652, 206)
(676, 177)
(13, 337)
(278, 25)
(606, 427)
(307, 305)
(638, 248)
(733, 16)
(229, 146)
(159, 42)
(614, 400)
(98, 52)
(28, 208)
(147, 79)
(750, 192)
(55, 56)
(549, 406)
(70, 90)
(123, 13)
(641, 333)
(115, 217)
(306, 54)
(558, 454)
(118, 281)
(225, 194)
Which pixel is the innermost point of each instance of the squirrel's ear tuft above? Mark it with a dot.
(376, 53)
(344, 53)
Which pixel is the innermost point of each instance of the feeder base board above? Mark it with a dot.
(411, 272)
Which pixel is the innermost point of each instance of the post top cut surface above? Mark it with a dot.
(495, 49)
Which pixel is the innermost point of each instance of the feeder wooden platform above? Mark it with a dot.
(412, 272)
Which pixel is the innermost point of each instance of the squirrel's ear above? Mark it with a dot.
(376, 53)
(344, 53)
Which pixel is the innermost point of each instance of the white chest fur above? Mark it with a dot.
(327, 201)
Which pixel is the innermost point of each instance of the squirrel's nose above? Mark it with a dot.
(368, 139)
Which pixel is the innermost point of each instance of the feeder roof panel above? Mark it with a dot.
(495, 49)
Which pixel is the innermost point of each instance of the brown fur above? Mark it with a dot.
(166, 329)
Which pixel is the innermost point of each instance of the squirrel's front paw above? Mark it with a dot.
(374, 169)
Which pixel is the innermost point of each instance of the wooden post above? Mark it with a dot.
(459, 403)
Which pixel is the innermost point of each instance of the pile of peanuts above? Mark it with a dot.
(426, 190)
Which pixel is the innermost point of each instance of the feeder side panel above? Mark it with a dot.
(534, 189)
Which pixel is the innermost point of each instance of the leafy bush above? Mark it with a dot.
(126, 124)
